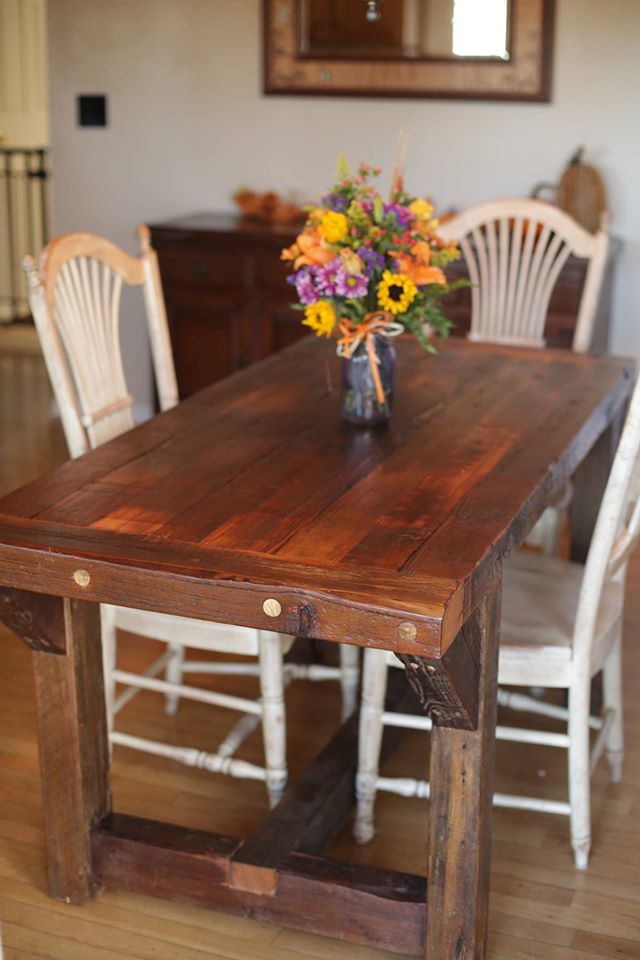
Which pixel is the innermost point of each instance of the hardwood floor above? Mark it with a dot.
(540, 906)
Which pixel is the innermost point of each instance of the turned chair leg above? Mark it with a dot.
(109, 653)
(349, 677)
(580, 774)
(173, 674)
(552, 528)
(374, 687)
(612, 691)
(274, 730)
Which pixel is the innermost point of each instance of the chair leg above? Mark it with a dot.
(612, 689)
(174, 675)
(109, 652)
(579, 774)
(374, 686)
(349, 676)
(553, 531)
(274, 729)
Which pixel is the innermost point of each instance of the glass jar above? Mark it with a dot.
(362, 402)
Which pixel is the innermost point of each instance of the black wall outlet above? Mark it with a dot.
(92, 110)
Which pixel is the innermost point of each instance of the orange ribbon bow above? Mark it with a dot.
(353, 334)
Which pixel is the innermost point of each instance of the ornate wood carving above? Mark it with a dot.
(447, 688)
(38, 619)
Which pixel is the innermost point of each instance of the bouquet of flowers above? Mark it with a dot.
(366, 270)
(359, 255)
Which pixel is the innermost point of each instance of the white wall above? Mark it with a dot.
(188, 125)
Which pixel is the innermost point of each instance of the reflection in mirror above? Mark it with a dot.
(399, 29)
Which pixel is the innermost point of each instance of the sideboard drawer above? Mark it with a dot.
(206, 269)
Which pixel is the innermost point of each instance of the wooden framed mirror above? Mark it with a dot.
(465, 49)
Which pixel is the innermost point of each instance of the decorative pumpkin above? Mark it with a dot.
(267, 207)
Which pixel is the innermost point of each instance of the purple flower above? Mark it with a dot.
(402, 214)
(306, 284)
(351, 285)
(337, 204)
(372, 260)
(327, 277)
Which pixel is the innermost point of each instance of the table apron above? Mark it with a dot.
(304, 613)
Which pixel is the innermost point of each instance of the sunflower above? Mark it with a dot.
(396, 292)
(321, 317)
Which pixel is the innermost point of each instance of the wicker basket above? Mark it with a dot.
(581, 192)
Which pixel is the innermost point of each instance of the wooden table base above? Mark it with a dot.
(362, 904)
(278, 874)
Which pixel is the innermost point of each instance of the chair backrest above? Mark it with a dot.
(515, 251)
(616, 532)
(74, 293)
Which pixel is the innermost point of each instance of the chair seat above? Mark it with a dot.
(200, 634)
(539, 604)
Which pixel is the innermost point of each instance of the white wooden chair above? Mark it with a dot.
(74, 292)
(561, 624)
(514, 251)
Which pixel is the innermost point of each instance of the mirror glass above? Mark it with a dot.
(405, 29)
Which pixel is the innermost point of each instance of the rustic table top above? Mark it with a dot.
(254, 490)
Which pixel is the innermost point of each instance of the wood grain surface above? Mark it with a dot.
(254, 489)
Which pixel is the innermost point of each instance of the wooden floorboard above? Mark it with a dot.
(541, 909)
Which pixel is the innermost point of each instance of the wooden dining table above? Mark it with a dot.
(254, 491)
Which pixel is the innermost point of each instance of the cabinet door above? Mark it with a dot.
(207, 341)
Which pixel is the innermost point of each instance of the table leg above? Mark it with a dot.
(72, 731)
(462, 768)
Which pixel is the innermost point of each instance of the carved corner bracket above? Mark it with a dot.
(448, 688)
(38, 619)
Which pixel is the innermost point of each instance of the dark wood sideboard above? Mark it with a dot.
(228, 302)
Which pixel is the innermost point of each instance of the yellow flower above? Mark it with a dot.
(421, 209)
(333, 226)
(321, 317)
(396, 292)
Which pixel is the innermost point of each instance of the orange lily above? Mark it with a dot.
(310, 250)
(416, 266)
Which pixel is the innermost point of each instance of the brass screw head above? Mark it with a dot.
(407, 631)
(272, 608)
(82, 578)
